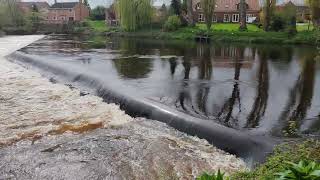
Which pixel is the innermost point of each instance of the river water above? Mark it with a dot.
(272, 89)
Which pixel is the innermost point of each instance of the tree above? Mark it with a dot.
(189, 12)
(98, 13)
(208, 10)
(134, 13)
(85, 2)
(243, 15)
(176, 7)
(268, 11)
(315, 12)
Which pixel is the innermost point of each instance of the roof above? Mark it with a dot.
(231, 5)
(295, 2)
(39, 5)
(64, 5)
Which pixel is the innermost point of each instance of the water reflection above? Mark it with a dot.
(274, 89)
(260, 103)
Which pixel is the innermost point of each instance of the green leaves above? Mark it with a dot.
(218, 176)
(304, 170)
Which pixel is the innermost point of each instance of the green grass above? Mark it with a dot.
(227, 33)
(98, 26)
(304, 27)
(229, 27)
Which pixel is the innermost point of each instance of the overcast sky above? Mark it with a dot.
(94, 3)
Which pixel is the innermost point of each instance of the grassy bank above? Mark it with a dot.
(288, 152)
(227, 33)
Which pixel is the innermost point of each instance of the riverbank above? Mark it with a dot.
(220, 32)
(303, 38)
(53, 131)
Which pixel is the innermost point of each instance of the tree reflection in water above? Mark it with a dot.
(226, 112)
(205, 73)
(300, 98)
(260, 103)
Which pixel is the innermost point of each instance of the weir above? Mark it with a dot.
(251, 147)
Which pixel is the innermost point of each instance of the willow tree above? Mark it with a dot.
(315, 12)
(134, 14)
(208, 10)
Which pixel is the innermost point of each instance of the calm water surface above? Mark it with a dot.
(270, 89)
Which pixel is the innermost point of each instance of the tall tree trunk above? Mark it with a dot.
(268, 13)
(243, 15)
(190, 13)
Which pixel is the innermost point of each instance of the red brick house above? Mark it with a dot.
(303, 11)
(227, 11)
(64, 12)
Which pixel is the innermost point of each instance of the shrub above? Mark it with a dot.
(172, 24)
(218, 176)
(278, 23)
(304, 170)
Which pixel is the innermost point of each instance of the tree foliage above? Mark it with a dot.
(134, 13)
(176, 7)
(315, 12)
(98, 13)
(208, 10)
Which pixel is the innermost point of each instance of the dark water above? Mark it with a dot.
(270, 89)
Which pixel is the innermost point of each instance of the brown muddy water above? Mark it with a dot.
(270, 90)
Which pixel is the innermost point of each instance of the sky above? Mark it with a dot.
(94, 3)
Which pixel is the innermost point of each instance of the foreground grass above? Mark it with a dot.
(289, 152)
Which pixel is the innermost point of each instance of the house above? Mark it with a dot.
(111, 16)
(303, 11)
(65, 12)
(27, 7)
(227, 11)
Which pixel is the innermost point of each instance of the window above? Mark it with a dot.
(227, 6)
(248, 17)
(198, 6)
(214, 18)
(201, 18)
(71, 18)
(226, 18)
(235, 18)
(54, 18)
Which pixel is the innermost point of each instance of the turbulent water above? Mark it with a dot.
(52, 131)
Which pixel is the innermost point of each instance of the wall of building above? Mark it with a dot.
(59, 16)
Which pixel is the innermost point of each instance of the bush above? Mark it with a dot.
(304, 170)
(289, 152)
(278, 23)
(218, 176)
(172, 24)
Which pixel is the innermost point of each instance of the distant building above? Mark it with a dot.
(303, 11)
(111, 16)
(227, 11)
(64, 12)
(41, 7)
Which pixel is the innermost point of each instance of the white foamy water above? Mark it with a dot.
(33, 109)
